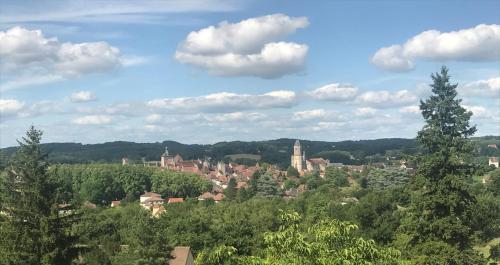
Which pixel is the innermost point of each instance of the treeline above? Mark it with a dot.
(102, 183)
(273, 152)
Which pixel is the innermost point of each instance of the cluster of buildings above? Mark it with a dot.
(299, 161)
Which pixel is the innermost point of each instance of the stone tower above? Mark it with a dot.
(298, 157)
(164, 158)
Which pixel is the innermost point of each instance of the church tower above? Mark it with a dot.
(297, 160)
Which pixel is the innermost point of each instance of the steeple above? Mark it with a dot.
(166, 151)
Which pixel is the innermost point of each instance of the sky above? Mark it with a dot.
(205, 71)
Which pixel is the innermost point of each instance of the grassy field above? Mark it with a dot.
(244, 156)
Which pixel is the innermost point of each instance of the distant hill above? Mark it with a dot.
(272, 151)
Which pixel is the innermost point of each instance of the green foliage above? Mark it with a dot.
(442, 207)
(377, 215)
(266, 186)
(380, 179)
(33, 231)
(338, 177)
(230, 190)
(292, 172)
(327, 242)
(495, 252)
(123, 235)
(100, 183)
(178, 184)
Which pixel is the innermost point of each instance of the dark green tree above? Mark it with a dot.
(442, 206)
(292, 172)
(33, 230)
(230, 190)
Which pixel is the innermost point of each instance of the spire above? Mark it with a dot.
(297, 143)
(166, 151)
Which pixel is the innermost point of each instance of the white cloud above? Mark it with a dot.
(110, 11)
(474, 44)
(482, 88)
(480, 112)
(410, 109)
(92, 120)
(153, 118)
(386, 99)
(334, 92)
(27, 57)
(246, 48)
(82, 96)
(226, 102)
(365, 112)
(310, 114)
(235, 117)
(10, 106)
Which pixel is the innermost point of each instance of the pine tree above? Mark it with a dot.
(33, 231)
(442, 206)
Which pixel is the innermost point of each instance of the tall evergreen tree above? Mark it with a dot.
(33, 231)
(439, 221)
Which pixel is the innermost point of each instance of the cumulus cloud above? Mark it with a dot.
(226, 102)
(235, 117)
(29, 55)
(482, 88)
(152, 118)
(365, 112)
(474, 44)
(480, 112)
(92, 120)
(82, 96)
(247, 48)
(334, 92)
(410, 109)
(10, 106)
(386, 99)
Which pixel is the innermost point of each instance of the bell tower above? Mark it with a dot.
(297, 159)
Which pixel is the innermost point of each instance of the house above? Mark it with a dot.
(494, 146)
(149, 199)
(148, 195)
(157, 210)
(219, 197)
(206, 196)
(181, 256)
(115, 203)
(175, 200)
(149, 203)
(241, 185)
(317, 164)
(64, 208)
(493, 161)
(89, 205)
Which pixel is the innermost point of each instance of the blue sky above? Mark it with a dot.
(208, 71)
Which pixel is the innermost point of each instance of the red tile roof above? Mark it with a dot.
(219, 197)
(174, 200)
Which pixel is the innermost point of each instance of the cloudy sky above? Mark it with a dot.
(203, 71)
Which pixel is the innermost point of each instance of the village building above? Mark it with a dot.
(219, 197)
(175, 200)
(181, 256)
(317, 164)
(298, 157)
(157, 210)
(206, 196)
(493, 161)
(149, 199)
(115, 203)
